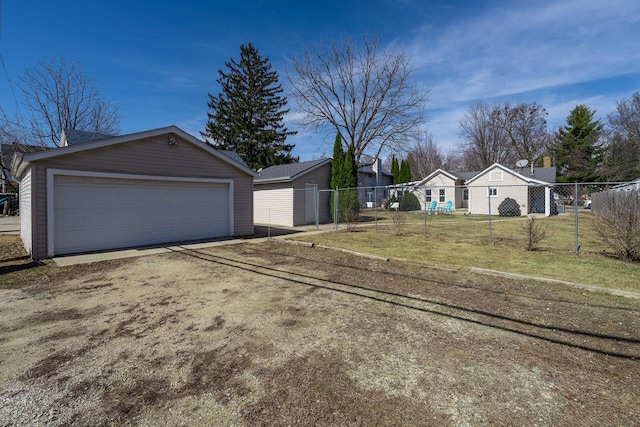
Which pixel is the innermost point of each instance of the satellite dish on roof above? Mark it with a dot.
(522, 163)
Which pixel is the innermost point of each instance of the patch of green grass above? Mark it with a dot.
(459, 241)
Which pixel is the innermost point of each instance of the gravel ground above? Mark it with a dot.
(276, 334)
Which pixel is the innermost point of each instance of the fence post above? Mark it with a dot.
(316, 203)
(424, 215)
(335, 208)
(375, 206)
(575, 209)
(490, 230)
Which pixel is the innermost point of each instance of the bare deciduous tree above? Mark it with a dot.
(503, 134)
(485, 140)
(623, 147)
(424, 157)
(525, 126)
(362, 92)
(59, 96)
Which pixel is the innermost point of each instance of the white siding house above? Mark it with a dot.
(529, 187)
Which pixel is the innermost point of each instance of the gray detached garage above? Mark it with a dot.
(152, 187)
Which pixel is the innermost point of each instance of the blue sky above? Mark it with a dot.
(159, 60)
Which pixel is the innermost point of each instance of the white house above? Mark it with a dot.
(530, 187)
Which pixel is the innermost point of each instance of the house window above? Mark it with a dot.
(493, 192)
(465, 194)
(441, 195)
(428, 195)
(495, 176)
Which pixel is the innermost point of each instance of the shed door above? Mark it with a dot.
(93, 213)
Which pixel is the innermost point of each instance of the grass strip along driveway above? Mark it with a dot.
(277, 334)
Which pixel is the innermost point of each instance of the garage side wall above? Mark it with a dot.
(320, 177)
(151, 156)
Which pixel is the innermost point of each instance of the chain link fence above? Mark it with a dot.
(486, 212)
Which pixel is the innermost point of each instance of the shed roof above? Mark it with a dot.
(73, 136)
(289, 171)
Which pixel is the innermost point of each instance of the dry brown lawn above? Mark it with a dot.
(278, 334)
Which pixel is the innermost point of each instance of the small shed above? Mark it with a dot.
(152, 187)
(293, 194)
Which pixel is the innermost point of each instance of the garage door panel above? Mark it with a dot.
(93, 213)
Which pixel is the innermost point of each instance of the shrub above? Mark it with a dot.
(535, 231)
(509, 207)
(409, 202)
(617, 223)
(349, 209)
(399, 222)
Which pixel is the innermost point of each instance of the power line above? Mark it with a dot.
(13, 93)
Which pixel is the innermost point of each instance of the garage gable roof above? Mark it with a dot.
(538, 176)
(289, 171)
(21, 161)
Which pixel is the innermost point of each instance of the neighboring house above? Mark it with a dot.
(443, 186)
(293, 194)
(73, 137)
(530, 187)
(373, 181)
(629, 186)
(7, 183)
(152, 187)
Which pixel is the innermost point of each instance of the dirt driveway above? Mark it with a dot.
(277, 334)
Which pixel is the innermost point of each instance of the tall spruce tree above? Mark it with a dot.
(344, 178)
(576, 148)
(336, 170)
(404, 174)
(395, 169)
(246, 116)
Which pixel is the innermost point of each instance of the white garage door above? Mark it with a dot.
(92, 213)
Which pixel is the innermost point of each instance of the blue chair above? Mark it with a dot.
(448, 207)
(432, 208)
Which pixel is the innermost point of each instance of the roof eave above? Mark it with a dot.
(90, 145)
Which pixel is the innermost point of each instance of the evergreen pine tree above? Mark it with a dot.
(349, 203)
(350, 168)
(395, 169)
(404, 174)
(246, 116)
(336, 170)
(576, 149)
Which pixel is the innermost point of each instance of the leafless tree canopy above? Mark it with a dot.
(623, 141)
(59, 96)
(364, 93)
(503, 134)
(525, 126)
(485, 142)
(424, 157)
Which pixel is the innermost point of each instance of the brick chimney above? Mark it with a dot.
(546, 161)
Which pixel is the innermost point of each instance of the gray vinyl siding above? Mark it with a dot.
(151, 156)
(25, 211)
(322, 178)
